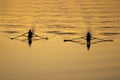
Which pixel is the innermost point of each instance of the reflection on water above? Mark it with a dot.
(80, 21)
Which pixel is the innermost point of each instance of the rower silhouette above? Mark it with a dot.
(30, 35)
(88, 39)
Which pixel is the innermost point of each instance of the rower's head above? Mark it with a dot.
(30, 30)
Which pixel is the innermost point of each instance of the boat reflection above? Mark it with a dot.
(88, 39)
(30, 37)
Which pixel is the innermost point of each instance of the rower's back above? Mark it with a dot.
(88, 37)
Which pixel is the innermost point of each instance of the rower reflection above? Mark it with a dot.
(29, 36)
(88, 39)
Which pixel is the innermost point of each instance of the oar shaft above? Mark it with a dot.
(19, 36)
(41, 36)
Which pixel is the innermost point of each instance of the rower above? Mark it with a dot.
(88, 40)
(88, 37)
(30, 34)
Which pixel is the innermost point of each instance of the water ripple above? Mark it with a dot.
(61, 33)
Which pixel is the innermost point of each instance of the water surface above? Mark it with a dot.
(60, 20)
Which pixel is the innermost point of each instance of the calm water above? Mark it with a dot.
(60, 20)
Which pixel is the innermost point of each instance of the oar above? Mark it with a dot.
(67, 40)
(102, 41)
(18, 36)
(79, 38)
(41, 37)
(73, 39)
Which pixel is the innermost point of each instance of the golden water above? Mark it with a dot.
(54, 59)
